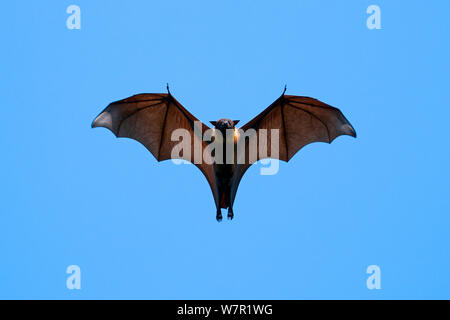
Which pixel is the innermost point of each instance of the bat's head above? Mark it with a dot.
(224, 124)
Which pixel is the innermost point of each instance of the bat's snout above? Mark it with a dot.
(223, 124)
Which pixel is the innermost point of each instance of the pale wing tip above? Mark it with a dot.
(94, 124)
(102, 120)
(349, 130)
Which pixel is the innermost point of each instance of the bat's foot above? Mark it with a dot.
(219, 216)
(230, 214)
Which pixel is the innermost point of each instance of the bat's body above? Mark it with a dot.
(224, 173)
(152, 119)
(224, 176)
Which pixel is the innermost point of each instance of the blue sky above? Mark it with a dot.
(139, 229)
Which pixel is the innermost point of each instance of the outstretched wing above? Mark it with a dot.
(151, 119)
(300, 121)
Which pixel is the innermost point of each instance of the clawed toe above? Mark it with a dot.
(230, 214)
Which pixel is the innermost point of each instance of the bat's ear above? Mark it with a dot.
(214, 123)
(235, 122)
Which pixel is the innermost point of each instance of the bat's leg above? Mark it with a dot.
(230, 213)
(219, 215)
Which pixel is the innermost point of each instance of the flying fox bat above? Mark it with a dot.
(151, 118)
